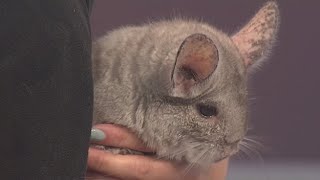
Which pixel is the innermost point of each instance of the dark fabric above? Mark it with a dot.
(45, 88)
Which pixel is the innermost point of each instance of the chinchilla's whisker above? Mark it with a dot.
(240, 154)
(191, 147)
(245, 152)
(252, 98)
(250, 146)
(257, 153)
(187, 169)
(206, 155)
(247, 147)
(253, 146)
(178, 151)
(190, 166)
(254, 141)
(254, 154)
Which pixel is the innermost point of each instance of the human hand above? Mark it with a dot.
(103, 165)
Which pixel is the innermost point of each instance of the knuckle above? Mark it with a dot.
(118, 138)
(100, 163)
(142, 169)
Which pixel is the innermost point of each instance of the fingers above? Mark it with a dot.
(132, 166)
(118, 136)
(90, 175)
(145, 168)
(219, 170)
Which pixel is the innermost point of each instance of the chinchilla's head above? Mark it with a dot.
(195, 109)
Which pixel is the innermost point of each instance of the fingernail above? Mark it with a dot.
(97, 135)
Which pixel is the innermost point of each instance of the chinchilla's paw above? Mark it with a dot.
(122, 151)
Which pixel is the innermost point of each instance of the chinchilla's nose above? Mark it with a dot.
(232, 140)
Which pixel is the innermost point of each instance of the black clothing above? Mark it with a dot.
(45, 88)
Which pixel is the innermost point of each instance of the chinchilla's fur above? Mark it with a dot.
(147, 80)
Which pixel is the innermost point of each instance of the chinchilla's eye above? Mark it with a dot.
(207, 110)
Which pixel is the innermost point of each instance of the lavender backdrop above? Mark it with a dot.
(285, 105)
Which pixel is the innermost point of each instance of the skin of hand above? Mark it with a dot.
(103, 164)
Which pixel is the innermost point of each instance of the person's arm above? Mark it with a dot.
(140, 167)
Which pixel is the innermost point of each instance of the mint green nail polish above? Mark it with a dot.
(97, 135)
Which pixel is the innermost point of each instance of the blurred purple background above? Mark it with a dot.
(285, 92)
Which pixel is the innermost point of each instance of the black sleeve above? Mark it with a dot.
(45, 88)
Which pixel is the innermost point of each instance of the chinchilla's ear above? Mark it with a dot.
(196, 60)
(256, 38)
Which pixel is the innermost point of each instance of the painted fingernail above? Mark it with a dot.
(97, 135)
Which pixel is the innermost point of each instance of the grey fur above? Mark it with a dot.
(133, 87)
